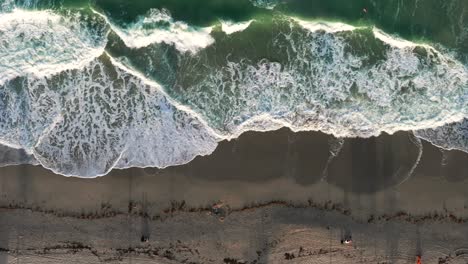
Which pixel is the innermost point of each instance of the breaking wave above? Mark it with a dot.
(230, 27)
(157, 26)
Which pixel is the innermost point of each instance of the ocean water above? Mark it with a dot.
(87, 86)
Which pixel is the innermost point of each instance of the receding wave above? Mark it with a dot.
(449, 136)
(85, 122)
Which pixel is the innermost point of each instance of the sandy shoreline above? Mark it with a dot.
(289, 180)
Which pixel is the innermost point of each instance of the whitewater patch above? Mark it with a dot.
(330, 27)
(158, 26)
(230, 27)
(267, 4)
(6, 5)
(396, 41)
(42, 43)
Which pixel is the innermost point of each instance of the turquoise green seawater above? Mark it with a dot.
(91, 85)
(442, 21)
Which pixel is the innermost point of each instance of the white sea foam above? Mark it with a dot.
(230, 27)
(42, 43)
(329, 27)
(332, 27)
(395, 41)
(6, 5)
(267, 4)
(157, 26)
(325, 86)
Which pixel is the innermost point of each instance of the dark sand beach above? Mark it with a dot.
(274, 197)
(251, 131)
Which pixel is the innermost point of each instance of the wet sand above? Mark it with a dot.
(277, 192)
